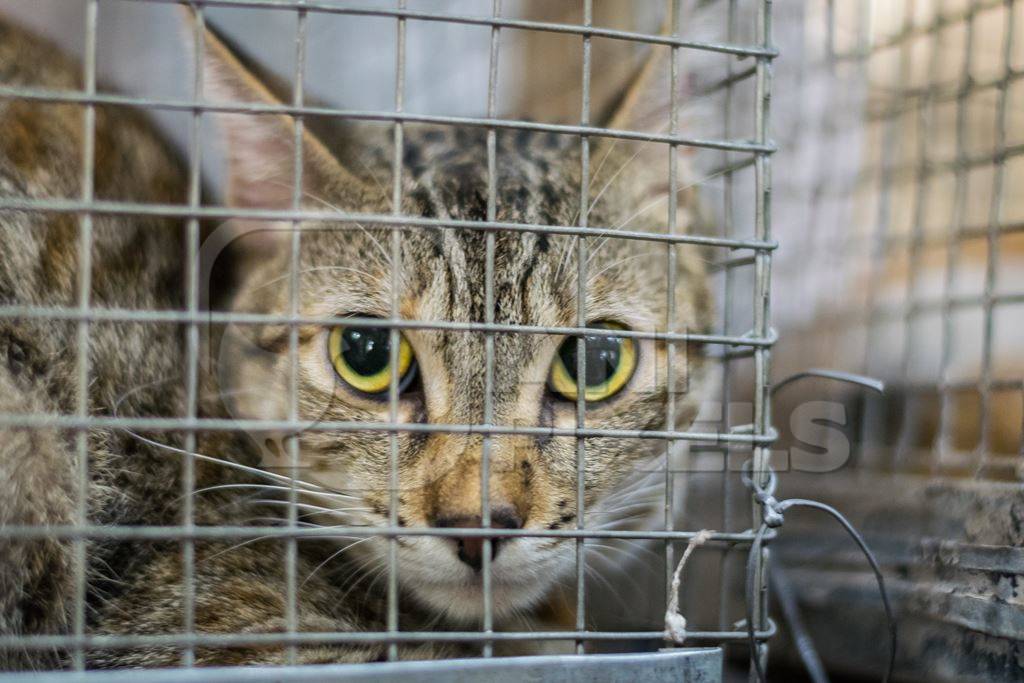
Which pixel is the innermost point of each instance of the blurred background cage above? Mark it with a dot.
(904, 189)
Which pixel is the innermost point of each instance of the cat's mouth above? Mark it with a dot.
(463, 602)
(521, 577)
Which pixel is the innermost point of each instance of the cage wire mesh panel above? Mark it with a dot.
(205, 411)
(901, 258)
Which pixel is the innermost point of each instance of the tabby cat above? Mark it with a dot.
(346, 269)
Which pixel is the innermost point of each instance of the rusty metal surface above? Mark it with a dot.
(953, 552)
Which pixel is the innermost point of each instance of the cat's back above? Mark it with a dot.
(136, 260)
(134, 368)
(42, 154)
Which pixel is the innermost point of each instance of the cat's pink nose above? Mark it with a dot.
(471, 550)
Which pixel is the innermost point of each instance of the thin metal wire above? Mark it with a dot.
(926, 124)
(213, 317)
(112, 642)
(404, 222)
(890, 148)
(911, 30)
(762, 286)
(944, 74)
(79, 559)
(294, 294)
(394, 335)
(989, 299)
(168, 424)
(670, 296)
(192, 338)
(581, 322)
(142, 533)
(485, 455)
(953, 247)
(76, 97)
(584, 30)
(726, 362)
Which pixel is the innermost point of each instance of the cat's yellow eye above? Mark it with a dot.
(362, 358)
(610, 362)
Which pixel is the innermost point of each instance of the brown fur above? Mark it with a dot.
(136, 264)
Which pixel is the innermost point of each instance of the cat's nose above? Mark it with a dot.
(471, 550)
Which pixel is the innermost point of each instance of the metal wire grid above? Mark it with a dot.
(910, 129)
(756, 343)
(938, 80)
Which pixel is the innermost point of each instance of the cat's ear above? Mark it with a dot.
(646, 107)
(260, 148)
(646, 104)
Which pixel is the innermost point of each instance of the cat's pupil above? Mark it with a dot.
(602, 355)
(367, 350)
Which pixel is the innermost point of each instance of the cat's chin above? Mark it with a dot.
(463, 602)
(521, 578)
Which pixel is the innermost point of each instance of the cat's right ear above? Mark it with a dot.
(260, 147)
(646, 106)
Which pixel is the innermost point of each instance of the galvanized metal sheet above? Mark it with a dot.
(685, 665)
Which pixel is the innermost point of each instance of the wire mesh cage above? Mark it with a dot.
(225, 456)
(908, 199)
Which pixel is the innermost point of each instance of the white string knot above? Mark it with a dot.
(675, 623)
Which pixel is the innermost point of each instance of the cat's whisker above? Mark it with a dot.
(644, 505)
(653, 204)
(640, 486)
(381, 573)
(664, 197)
(599, 547)
(329, 558)
(617, 523)
(626, 163)
(645, 497)
(631, 490)
(277, 521)
(242, 544)
(361, 565)
(640, 148)
(648, 481)
(314, 509)
(305, 486)
(564, 258)
(386, 254)
(595, 573)
(304, 271)
(380, 185)
(333, 207)
(218, 393)
(200, 456)
(617, 573)
(364, 571)
(269, 487)
(617, 264)
(591, 571)
(236, 503)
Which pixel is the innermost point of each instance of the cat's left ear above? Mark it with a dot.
(260, 148)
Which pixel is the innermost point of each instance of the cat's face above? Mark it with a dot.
(440, 276)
